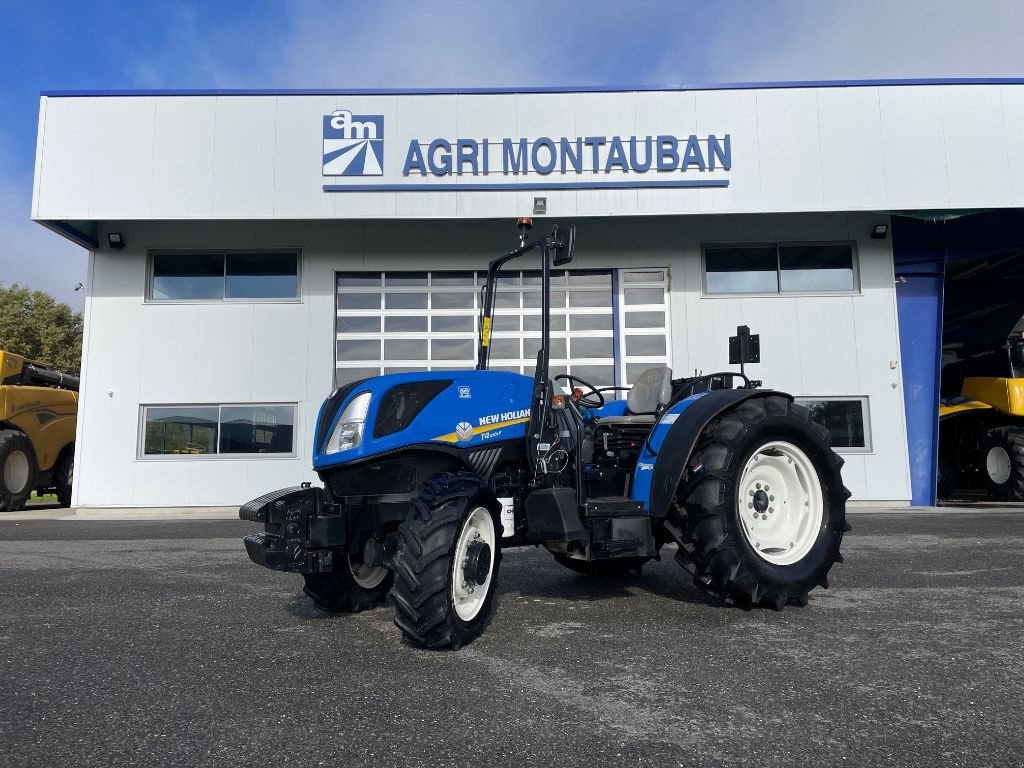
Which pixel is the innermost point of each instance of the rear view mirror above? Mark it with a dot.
(563, 240)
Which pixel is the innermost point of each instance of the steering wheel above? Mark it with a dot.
(591, 398)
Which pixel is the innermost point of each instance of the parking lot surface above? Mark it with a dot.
(158, 643)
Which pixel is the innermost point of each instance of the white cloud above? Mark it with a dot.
(867, 39)
(324, 44)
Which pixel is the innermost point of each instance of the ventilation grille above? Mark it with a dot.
(484, 461)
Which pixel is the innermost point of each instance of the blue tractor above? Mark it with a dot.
(429, 476)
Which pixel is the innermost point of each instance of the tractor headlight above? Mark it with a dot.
(348, 433)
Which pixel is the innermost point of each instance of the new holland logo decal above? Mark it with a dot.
(489, 425)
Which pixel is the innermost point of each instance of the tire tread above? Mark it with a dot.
(422, 562)
(702, 510)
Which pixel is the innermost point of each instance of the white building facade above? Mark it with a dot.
(248, 251)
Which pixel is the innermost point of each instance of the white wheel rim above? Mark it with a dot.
(16, 472)
(780, 503)
(469, 598)
(997, 464)
(367, 576)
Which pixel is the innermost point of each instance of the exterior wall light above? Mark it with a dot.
(879, 231)
(115, 240)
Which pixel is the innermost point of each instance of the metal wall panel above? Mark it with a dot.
(183, 168)
(914, 149)
(790, 145)
(1013, 118)
(976, 142)
(243, 160)
(798, 149)
(851, 147)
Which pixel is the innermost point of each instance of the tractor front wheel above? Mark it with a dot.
(446, 564)
(763, 516)
(351, 588)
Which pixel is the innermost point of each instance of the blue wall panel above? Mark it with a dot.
(919, 258)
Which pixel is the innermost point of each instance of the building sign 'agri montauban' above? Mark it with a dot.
(354, 147)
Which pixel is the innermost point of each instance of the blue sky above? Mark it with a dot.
(71, 44)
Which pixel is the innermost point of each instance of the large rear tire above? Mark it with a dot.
(763, 518)
(446, 564)
(17, 470)
(1002, 458)
(63, 472)
(351, 588)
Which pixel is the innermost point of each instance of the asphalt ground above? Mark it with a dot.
(158, 643)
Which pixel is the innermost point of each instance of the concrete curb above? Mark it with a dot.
(159, 514)
(154, 514)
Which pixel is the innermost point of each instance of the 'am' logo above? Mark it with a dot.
(353, 144)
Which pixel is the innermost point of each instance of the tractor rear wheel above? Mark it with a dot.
(1002, 451)
(763, 518)
(446, 564)
(17, 470)
(351, 588)
(603, 569)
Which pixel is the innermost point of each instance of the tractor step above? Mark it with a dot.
(613, 506)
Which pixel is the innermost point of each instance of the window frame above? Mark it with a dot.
(140, 448)
(517, 284)
(223, 253)
(777, 245)
(615, 312)
(865, 401)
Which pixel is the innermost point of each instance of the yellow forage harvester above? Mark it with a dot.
(38, 413)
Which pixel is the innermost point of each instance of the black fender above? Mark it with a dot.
(678, 445)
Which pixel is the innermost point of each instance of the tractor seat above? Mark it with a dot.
(653, 388)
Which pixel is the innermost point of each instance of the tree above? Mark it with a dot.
(37, 326)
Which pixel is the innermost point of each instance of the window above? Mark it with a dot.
(741, 270)
(816, 268)
(188, 276)
(224, 430)
(787, 268)
(219, 275)
(644, 321)
(845, 418)
(390, 322)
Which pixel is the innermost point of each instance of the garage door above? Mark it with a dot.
(607, 325)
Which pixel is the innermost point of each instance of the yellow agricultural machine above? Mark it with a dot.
(981, 432)
(38, 412)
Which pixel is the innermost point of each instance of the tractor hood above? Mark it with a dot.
(459, 409)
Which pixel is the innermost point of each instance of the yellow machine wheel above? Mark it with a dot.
(17, 470)
(1002, 459)
(63, 472)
